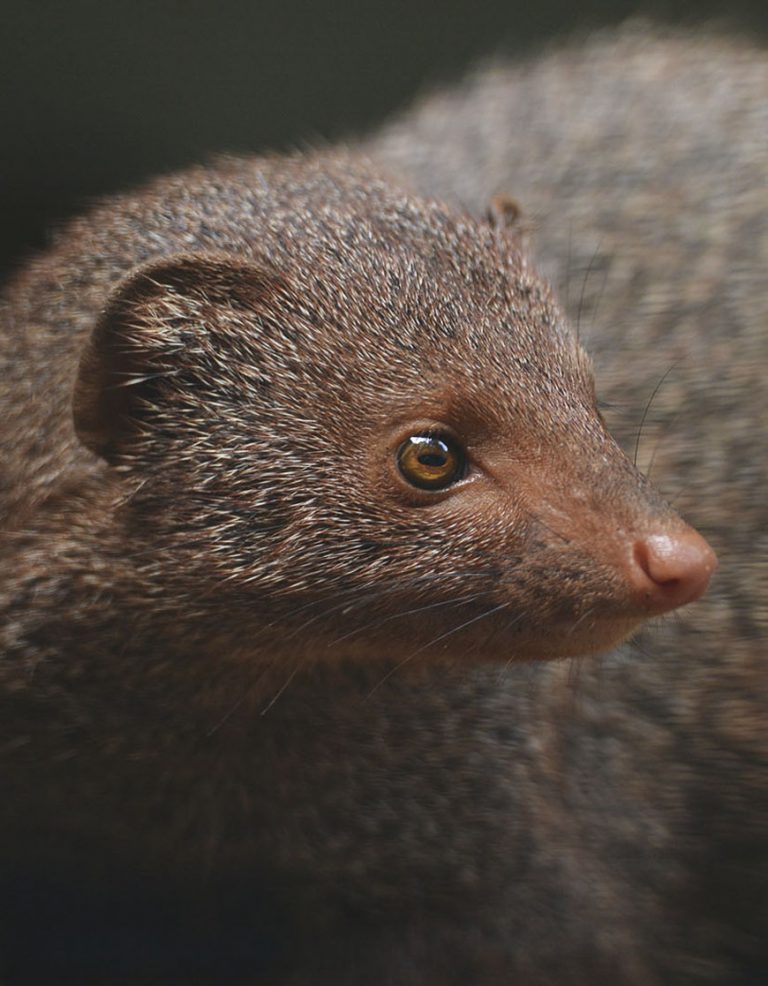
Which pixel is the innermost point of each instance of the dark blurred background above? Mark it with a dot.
(96, 94)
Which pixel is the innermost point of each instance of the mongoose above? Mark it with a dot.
(453, 820)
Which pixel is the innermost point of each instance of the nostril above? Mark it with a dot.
(673, 569)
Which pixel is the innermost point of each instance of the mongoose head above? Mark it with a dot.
(363, 422)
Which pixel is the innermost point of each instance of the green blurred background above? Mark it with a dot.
(94, 96)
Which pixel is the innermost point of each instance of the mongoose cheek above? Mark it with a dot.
(480, 573)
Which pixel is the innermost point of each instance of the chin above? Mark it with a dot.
(563, 641)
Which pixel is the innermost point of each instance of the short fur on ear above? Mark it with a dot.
(142, 327)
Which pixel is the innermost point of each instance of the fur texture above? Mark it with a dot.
(449, 821)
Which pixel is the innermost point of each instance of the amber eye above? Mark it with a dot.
(431, 462)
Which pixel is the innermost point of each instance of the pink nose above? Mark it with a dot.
(670, 570)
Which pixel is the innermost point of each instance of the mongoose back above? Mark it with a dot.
(232, 497)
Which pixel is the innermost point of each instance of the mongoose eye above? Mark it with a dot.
(431, 462)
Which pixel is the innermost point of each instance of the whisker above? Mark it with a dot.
(344, 604)
(580, 620)
(584, 288)
(227, 715)
(378, 592)
(436, 640)
(495, 631)
(506, 666)
(663, 434)
(676, 497)
(568, 269)
(600, 296)
(357, 597)
(236, 705)
(281, 689)
(404, 613)
(656, 389)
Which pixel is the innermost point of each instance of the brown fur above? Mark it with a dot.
(440, 823)
(227, 370)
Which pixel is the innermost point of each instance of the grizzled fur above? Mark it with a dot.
(249, 363)
(449, 825)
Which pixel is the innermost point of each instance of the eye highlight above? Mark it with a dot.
(431, 462)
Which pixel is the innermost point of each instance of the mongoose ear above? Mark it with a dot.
(505, 215)
(159, 312)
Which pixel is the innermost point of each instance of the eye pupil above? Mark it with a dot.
(431, 462)
(435, 460)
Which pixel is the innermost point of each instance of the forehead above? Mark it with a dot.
(450, 289)
(445, 352)
(405, 288)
